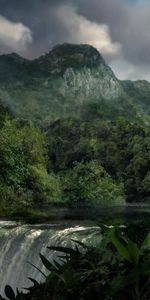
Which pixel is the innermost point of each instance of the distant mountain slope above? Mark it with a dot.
(140, 92)
(70, 80)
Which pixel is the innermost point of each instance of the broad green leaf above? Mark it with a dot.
(146, 242)
(134, 252)
(122, 250)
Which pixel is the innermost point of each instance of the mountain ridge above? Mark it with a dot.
(62, 82)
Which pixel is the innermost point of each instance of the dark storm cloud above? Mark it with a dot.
(120, 30)
(39, 16)
(48, 29)
(128, 25)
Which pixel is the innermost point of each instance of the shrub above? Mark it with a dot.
(89, 182)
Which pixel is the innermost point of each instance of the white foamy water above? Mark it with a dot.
(21, 245)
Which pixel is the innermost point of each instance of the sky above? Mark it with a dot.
(119, 29)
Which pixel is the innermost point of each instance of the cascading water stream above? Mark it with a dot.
(21, 245)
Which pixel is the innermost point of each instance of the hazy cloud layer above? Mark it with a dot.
(81, 30)
(14, 36)
(120, 29)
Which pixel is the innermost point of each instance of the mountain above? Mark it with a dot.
(139, 91)
(70, 80)
(82, 69)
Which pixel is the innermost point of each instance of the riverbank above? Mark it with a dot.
(56, 213)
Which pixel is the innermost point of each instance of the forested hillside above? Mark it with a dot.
(70, 80)
(71, 133)
(73, 162)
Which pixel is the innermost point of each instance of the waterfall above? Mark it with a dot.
(20, 245)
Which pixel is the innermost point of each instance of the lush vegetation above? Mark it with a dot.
(89, 139)
(72, 162)
(76, 136)
(120, 147)
(116, 269)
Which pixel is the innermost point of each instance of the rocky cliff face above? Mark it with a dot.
(81, 70)
(59, 83)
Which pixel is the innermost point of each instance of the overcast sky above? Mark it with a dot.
(119, 29)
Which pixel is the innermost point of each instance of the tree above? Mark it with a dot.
(89, 183)
(23, 163)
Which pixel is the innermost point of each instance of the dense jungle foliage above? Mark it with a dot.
(72, 162)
